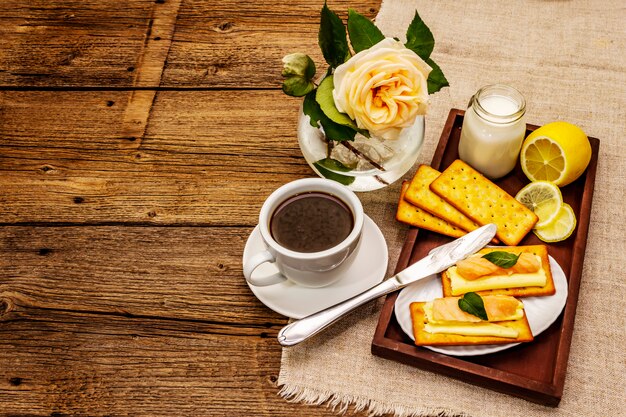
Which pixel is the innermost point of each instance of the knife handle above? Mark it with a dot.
(302, 329)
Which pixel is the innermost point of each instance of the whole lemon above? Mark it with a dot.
(558, 152)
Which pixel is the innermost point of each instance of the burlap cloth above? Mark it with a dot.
(568, 58)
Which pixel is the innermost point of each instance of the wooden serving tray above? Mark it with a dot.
(534, 371)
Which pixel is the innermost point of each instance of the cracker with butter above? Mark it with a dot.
(410, 214)
(530, 274)
(420, 195)
(484, 202)
(443, 322)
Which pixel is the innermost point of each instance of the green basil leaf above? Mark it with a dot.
(436, 80)
(297, 86)
(502, 259)
(324, 166)
(332, 38)
(419, 38)
(324, 98)
(363, 32)
(472, 303)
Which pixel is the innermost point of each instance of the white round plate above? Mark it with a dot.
(364, 269)
(541, 312)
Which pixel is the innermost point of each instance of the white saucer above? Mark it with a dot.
(541, 312)
(365, 268)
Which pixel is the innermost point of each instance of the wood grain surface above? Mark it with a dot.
(207, 158)
(208, 43)
(138, 140)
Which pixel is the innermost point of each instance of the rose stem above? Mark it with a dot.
(329, 147)
(382, 181)
(360, 154)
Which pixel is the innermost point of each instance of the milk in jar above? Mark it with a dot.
(493, 130)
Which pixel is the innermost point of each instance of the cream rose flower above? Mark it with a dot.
(383, 88)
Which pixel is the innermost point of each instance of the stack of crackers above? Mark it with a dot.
(459, 200)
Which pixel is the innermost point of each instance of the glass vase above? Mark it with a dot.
(364, 164)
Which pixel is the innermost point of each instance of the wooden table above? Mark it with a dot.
(138, 140)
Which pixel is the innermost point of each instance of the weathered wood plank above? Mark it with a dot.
(63, 363)
(72, 43)
(104, 44)
(64, 157)
(190, 273)
(240, 44)
(149, 68)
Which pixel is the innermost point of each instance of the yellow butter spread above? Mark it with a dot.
(460, 285)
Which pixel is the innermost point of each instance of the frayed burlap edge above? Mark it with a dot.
(341, 404)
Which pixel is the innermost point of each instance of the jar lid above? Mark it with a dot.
(499, 103)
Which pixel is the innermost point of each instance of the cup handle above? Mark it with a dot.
(256, 261)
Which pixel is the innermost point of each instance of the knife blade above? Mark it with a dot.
(436, 261)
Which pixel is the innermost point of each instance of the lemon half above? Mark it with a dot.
(558, 152)
(543, 198)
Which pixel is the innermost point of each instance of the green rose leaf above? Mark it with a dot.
(312, 109)
(436, 80)
(324, 166)
(472, 303)
(324, 98)
(419, 38)
(332, 130)
(335, 131)
(363, 32)
(502, 258)
(332, 38)
(297, 86)
(334, 165)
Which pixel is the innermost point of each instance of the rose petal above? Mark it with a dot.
(383, 88)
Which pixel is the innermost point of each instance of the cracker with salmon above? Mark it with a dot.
(442, 323)
(479, 275)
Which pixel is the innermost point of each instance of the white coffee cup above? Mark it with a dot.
(305, 269)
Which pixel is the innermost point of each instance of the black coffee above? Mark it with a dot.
(311, 222)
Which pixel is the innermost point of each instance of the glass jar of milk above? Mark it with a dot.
(493, 130)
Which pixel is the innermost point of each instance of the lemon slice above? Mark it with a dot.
(557, 152)
(543, 198)
(560, 228)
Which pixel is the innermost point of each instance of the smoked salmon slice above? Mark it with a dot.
(498, 308)
(475, 267)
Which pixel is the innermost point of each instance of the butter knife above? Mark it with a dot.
(436, 261)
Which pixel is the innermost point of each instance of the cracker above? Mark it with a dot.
(420, 195)
(484, 202)
(423, 338)
(415, 216)
(539, 250)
